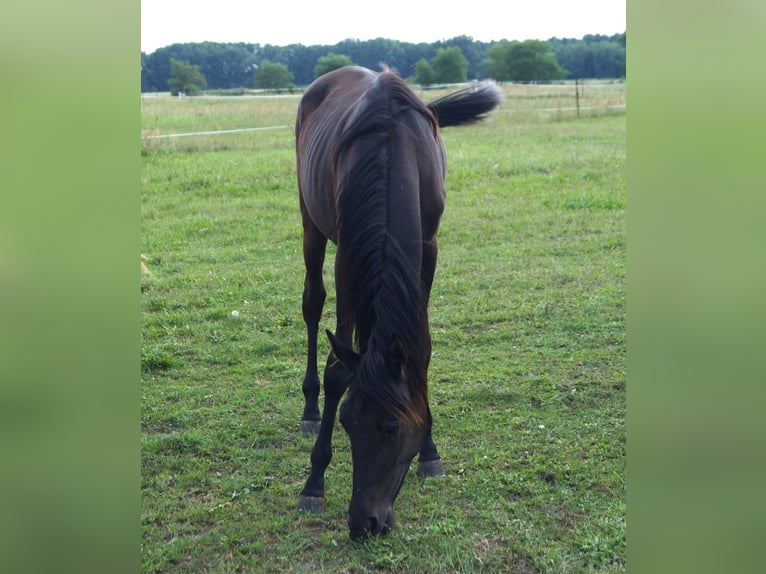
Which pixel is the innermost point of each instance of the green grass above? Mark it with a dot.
(527, 380)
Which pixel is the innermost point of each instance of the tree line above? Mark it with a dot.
(226, 66)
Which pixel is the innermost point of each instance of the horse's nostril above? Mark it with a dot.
(371, 525)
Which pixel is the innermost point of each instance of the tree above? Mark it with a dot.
(424, 73)
(474, 52)
(223, 65)
(593, 59)
(232, 65)
(331, 62)
(450, 65)
(532, 61)
(184, 77)
(271, 76)
(498, 64)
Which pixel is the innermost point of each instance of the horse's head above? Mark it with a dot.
(386, 425)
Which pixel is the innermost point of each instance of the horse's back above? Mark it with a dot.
(340, 108)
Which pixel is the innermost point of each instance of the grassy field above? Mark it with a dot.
(527, 380)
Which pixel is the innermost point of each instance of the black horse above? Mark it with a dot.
(371, 168)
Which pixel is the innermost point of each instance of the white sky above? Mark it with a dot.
(327, 22)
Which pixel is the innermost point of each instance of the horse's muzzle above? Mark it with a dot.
(370, 526)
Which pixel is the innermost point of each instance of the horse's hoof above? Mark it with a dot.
(314, 504)
(431, 468)
(310, 427)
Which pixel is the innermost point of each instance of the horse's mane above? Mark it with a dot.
(382, 287)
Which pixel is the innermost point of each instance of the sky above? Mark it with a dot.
(327, 22)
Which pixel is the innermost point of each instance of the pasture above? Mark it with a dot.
(527, 379)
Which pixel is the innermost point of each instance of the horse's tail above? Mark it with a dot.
(467, 106)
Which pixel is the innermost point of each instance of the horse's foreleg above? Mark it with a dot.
(314, 244)
(428, 267)
(336, 378)
(429, 461)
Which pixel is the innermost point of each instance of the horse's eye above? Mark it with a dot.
(392, 427)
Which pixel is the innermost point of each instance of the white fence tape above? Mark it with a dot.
(213, 133)
(567, 109)
(581, 108)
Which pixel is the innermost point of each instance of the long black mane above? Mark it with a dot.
(381, 282)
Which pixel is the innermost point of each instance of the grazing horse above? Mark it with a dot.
(371, 167)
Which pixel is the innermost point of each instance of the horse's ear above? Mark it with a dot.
(396, 360)
(346, 355)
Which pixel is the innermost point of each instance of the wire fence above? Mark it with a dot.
(212, 133)
(559, 98)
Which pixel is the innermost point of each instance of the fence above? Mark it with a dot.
(559, 98)
(213, 133)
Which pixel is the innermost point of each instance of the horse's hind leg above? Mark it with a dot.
(314, 244)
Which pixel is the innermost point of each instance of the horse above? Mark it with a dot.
(371, 166)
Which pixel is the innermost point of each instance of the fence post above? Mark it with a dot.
(577, 96)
